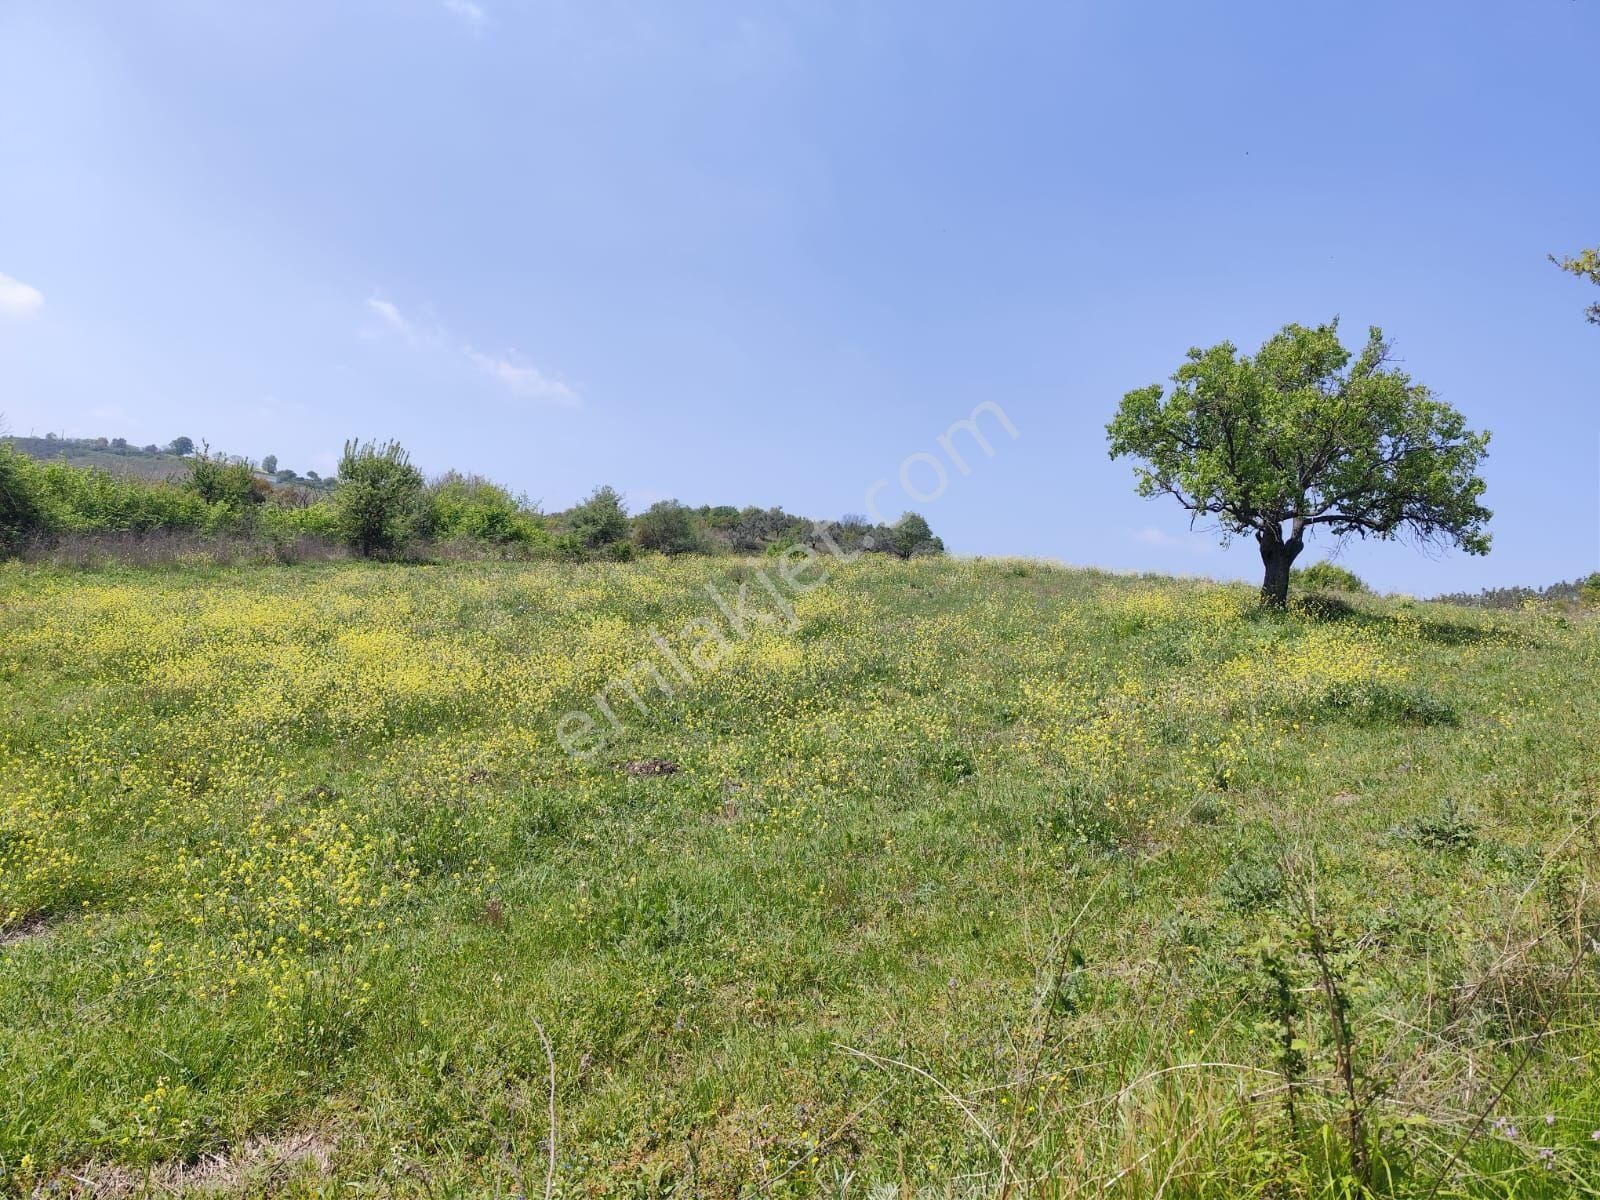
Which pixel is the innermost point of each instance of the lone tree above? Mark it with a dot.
(600, 520)
(1303, 434)
(379, 500)
(911, 535)
(666, 526)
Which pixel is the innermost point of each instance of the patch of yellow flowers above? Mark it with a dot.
(265, 766)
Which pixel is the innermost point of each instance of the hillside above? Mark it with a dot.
(978, 878)
(147, 462)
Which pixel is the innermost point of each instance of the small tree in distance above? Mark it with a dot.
(666, 526)
(217, 481)
(181, 446)
(379, 501)
(600, 520)
(1302, 435)
(911, 535)
(269, 464)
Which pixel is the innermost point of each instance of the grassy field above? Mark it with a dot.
(939, 879)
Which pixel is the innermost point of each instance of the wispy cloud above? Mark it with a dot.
(390, 314)
(1151, 536)
(473, 15)
(392, 321)
(17, 299)
(522, 378)
(510, 370)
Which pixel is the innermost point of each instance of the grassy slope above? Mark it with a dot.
(986, 868)
(132, 462)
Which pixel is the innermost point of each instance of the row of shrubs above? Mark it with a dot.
(381, 506)
(1582, 593)
(1578, 593)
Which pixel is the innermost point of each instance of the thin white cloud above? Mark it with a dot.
(1151, 536)
(17, 299)
(390, 314)
(510, 370)
(473, 15)
(392, 321)
(522, 379)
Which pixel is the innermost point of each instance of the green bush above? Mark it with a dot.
(600, 520)
(911, 535)
(21, 516)
(89, 500)
(217, 481)
(380, 501)
(1325, 576)
(280, 523)
(468, 506)
(666, 526)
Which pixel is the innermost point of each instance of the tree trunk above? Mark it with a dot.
(1277, 556)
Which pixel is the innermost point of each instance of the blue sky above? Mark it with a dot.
(765, 253)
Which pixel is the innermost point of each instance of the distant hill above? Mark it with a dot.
(109, 454)
(118, 456)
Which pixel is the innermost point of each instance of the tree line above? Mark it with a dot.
(380, 505)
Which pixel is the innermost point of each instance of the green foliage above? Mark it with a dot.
(380, 500)
(666, 526)
(911, 535)
(96, 487)
(470, 507)
(269, 464)
(1304, 435)
(1584, 591)
(1448, 829)
(91, 501)
(283, 523)
(216, 480)
(181, 446)
(600, 520)
(21, 517)
(1251, 882)
(1327, 576)
(1585, 265)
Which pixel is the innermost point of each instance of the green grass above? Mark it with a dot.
(979, 879)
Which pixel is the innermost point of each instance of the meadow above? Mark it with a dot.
(972, 879)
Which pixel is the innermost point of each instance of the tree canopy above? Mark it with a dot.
(666, 526)
(600, 520)
(1585, 265)
(380, 502)
(1306, 435)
